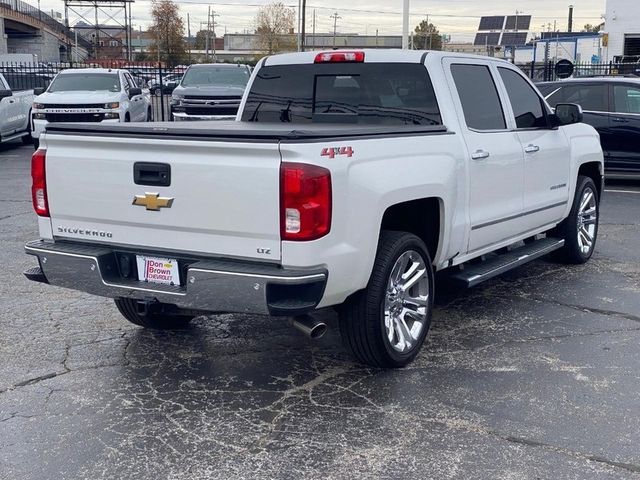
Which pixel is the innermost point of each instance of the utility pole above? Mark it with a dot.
(303, 23)
(298, 29)
(213, 24)
(207, 37)
(515, 46)
(405, 24)
(314, 30)
(428, 32)
(335, 17)
(189, 35)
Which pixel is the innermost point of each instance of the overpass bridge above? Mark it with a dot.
(25, 29)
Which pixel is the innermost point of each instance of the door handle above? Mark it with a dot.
(620, 120)
(532, 148)
(12, 101)
(480, 155)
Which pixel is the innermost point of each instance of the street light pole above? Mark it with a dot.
(405, 25)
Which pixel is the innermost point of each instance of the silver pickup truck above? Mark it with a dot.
(15, 110)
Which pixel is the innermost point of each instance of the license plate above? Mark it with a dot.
(158, 270)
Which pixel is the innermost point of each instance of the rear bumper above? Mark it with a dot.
(208, 285)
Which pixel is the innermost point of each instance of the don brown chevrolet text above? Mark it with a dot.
(347, 180)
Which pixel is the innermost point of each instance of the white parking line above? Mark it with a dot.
(637, 192)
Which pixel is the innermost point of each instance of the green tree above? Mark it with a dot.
(201, 40)
(167, 30)
(274, 27)
(427, 37)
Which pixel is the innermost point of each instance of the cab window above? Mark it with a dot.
(479, 97)
(526, 104)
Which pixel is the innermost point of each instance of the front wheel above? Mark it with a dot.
(163, 317)
(580, 229)
(385, 325)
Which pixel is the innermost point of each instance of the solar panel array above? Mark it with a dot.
(513, 39)
(519, 22)
(505, 31)
(491, 23)
(491, 39)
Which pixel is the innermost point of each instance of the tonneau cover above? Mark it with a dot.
(249, 131)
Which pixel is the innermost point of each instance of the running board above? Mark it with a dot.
(472, 275)
(14, 136)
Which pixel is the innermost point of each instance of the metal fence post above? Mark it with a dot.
(161, 91)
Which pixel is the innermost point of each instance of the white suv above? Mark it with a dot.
(91, 95)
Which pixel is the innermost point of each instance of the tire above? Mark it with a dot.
(160, 321)
(580, 226)
(127, 118)
(36, 143)
(370, 320)
(150, 115)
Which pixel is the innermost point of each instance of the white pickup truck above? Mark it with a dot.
(90, 95)
(15, 105)
(348, 179)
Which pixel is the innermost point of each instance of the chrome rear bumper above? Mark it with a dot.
(208, 285)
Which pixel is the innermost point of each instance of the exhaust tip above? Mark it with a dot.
(318, 331)
(311, 327)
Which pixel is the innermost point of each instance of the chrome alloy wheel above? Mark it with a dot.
(406, 301)
(587, 220)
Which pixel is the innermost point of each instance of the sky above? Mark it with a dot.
(458, 18)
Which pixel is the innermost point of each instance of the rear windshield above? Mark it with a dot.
(94, 82)
(369, 94)
(216, 75)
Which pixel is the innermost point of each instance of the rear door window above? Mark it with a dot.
(627, 99)
(590, 97)
(479, 97)
(370, 94)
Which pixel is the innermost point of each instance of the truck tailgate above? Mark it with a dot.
(223, 197)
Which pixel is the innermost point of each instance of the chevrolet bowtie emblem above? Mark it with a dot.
(152, 201)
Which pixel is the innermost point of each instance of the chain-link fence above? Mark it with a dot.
(157, 78)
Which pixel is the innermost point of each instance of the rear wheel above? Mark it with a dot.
(580, 229)
(386, 324)
(150, 115)
(161, 317)
(127, 118)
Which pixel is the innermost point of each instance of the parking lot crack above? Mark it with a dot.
(598, 311)
(33, 381)
(630, 467)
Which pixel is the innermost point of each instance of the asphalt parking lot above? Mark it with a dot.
(534, 375)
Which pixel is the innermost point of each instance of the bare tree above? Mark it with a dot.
(274, 27)
(167, 30)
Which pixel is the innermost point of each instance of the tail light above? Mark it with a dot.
(305, 201)
(340, 57)
(39, 183)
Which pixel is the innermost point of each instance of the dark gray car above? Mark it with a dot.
(210, 92)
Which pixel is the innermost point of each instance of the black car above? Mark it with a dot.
(612, 106)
